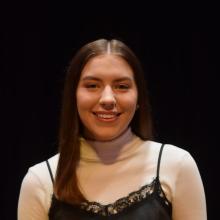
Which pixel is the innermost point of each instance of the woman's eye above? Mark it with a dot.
(91, 86)
(122, 87)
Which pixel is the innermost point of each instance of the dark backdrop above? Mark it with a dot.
(181, 67)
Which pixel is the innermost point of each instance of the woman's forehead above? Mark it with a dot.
(107, 65)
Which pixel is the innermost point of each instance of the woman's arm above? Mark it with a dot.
(189, 201)
(32, 199)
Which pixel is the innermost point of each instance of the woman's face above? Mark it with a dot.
(106, 97)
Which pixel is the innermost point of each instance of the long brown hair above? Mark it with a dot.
(66, 186)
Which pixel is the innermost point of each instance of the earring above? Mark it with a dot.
(137, 107)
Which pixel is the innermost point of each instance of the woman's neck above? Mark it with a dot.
(109, 151)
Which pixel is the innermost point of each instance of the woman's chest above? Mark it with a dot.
(107, 183)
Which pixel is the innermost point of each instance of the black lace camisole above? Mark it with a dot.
(148, 203)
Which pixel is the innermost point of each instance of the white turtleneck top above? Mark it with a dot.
(111, 170)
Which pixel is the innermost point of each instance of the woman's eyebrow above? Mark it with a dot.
(91, 78)
(126, 78)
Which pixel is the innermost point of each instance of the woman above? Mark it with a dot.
(108, 167)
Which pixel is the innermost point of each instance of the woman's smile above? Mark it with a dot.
(107, 116)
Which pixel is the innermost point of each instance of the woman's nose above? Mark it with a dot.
(107, 99)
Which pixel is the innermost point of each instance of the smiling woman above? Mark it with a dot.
(106, 97)
(108, 166)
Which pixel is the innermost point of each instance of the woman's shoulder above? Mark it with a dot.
(41, 169)
(169, 148)
(38, 175)
(37, 186)
(52, 161)
(171, 154)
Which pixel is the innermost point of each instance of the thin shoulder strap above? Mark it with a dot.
(50, 171)
(159, 159)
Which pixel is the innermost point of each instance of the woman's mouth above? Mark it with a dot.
(107, 116)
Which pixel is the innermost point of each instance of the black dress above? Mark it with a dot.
(148, 203)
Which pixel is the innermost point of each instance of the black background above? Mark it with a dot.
(180, 57)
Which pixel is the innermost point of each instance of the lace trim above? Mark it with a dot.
(125, 202)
